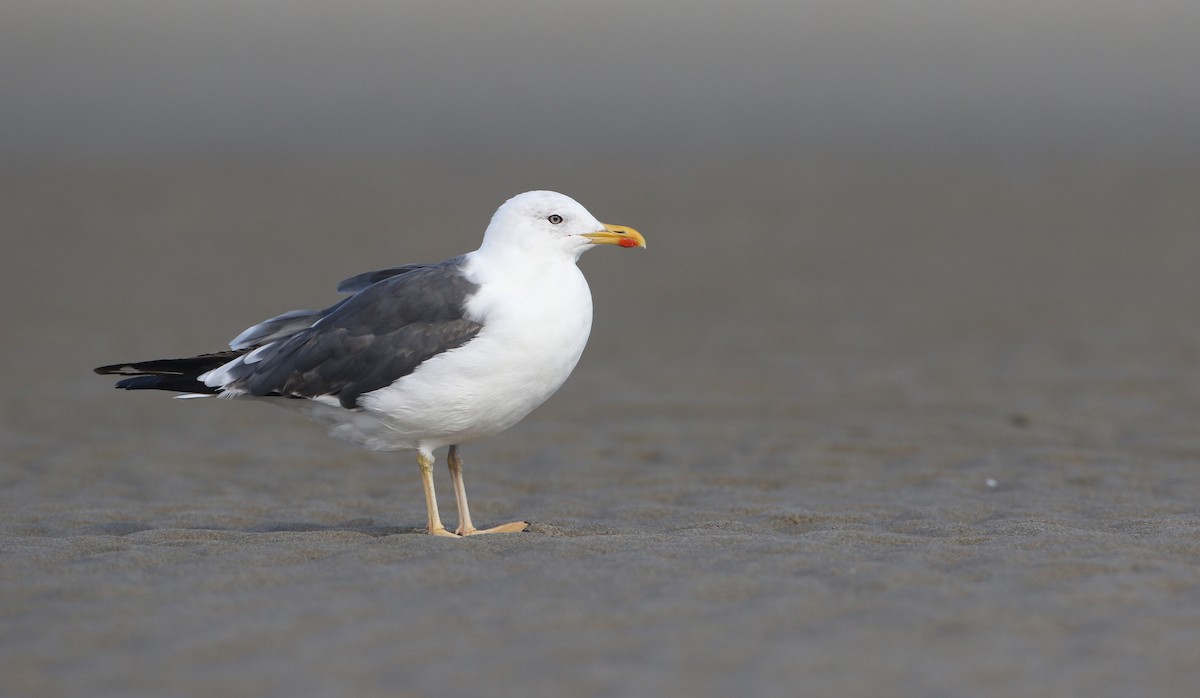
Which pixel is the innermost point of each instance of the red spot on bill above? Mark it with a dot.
(628, 242)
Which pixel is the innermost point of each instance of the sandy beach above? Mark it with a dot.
(851, 427)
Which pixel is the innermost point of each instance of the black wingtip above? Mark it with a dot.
(179, 375)
(139, 383)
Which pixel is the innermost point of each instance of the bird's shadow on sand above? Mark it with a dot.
(368, 527)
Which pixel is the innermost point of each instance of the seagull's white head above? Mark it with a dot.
(542, 222)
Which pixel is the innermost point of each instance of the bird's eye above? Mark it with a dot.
(555, 218)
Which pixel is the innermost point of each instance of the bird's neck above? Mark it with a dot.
(524, 260)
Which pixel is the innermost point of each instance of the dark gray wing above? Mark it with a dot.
(278, 327)
(357, 283)
(293, 321)
(367, 341)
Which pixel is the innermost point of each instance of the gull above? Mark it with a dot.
(423, 356)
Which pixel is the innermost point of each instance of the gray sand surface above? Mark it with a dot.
(851, 428)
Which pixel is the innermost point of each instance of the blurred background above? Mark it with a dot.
(896, 250)
(637, 80)
(853, 167)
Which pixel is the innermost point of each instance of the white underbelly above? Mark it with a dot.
(468, 394)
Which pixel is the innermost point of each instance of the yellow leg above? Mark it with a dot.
(460, 492)
(465, 527)
(434, 526)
